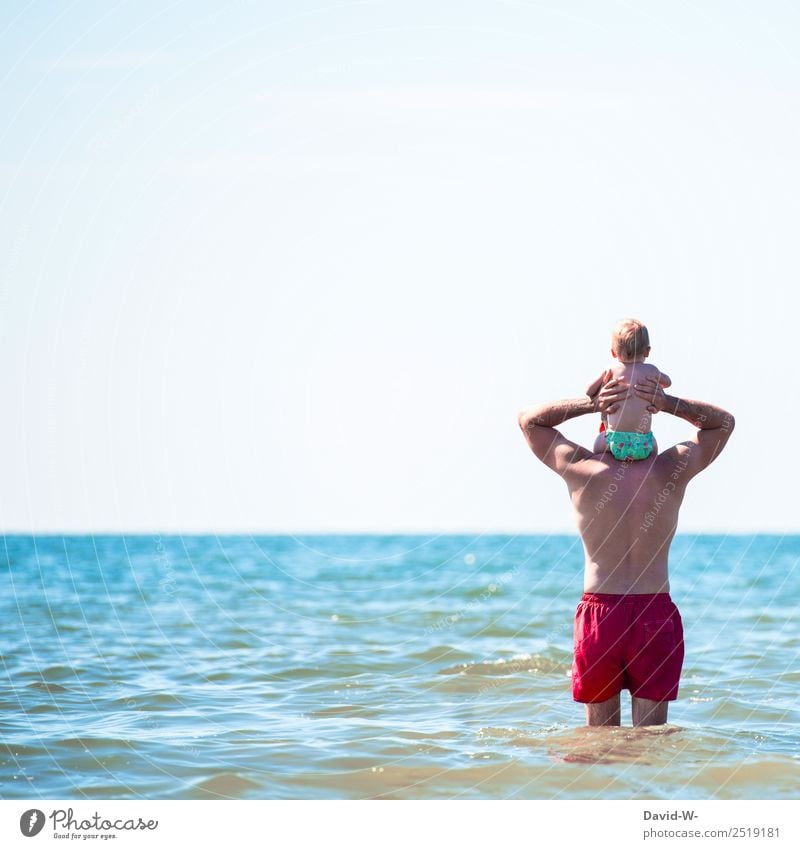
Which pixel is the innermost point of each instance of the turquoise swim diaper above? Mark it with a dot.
(626, 445)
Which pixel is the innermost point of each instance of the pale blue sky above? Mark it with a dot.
(296, 266)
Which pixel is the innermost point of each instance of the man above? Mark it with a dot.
(628, 632)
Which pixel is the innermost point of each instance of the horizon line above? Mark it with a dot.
(364, 533)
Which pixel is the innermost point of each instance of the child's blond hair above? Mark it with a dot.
(630, 339)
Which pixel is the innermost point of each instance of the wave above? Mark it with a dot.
(48, 687)
(440, 652)
(343, 710)
(226, 785)
(529, 663)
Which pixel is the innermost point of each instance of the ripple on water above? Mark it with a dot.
(222, 675)
(94, 744)
(344, 710)
(59, 673)
(159, 701)
(519, 736)
(17, 750)
(778, 777)
(293, 673)
(440, 653)
(149, 700)
(415, 781)
(538, 664)
(226, 785)
(48, 687)
(444, 734)
(106, 791)
(732, 709)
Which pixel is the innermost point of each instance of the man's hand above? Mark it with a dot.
(612, 394)
(650, 390)
(714, 424)
(604, 392)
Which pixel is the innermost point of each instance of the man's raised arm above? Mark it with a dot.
(553, 413)
(538, 423)
(714, 424)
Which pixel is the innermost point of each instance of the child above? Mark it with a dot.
(627, 430)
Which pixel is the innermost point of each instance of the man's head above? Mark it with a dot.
(630, 340)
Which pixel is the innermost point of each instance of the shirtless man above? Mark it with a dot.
(628, 632)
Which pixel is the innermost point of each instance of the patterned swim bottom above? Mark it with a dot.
(625, 445)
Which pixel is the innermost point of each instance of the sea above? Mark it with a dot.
(377, 667)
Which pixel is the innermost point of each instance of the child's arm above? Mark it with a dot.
(656, 374)
(597, 384)
(659, 377)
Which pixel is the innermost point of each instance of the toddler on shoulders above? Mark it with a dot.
(627, 432)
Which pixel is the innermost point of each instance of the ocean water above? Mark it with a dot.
(383, 667)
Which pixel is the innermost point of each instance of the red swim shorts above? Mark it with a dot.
(627, 642)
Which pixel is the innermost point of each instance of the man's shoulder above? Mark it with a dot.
(592, 466)
(673, 463)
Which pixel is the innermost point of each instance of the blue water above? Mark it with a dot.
(376, 667)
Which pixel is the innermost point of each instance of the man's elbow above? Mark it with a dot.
(524, 420)
(528, 419)
(725, 429)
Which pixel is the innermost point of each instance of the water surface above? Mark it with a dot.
(376, 667)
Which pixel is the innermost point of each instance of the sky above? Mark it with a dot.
(294, 267)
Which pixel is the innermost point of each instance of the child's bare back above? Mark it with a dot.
(633, 414)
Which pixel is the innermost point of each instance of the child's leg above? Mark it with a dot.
(600, 444)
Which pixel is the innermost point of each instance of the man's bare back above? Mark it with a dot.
(627, 514)
(610, 499)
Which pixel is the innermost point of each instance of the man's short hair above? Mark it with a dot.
(630, 339)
